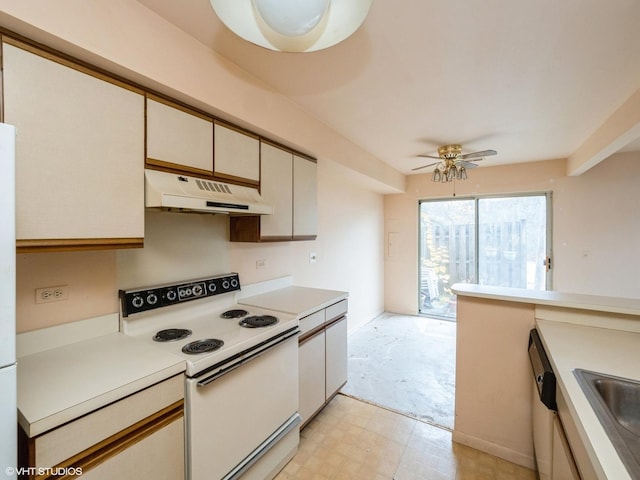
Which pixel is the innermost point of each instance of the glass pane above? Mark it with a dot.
(512, 241)
(447, 253)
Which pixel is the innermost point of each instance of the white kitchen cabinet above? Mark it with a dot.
(79, 153)
(322, 358)
(277, 177)
(563, 466)
(336, 356)
(305, 198)
(289, 183)
(140, 436)
(311, 364)
(178, 138)
(236, 154)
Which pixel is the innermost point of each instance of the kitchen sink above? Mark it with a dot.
(616, 402)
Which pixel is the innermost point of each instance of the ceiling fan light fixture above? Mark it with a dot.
(292, 25)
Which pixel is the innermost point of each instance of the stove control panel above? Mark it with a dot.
(150, 298)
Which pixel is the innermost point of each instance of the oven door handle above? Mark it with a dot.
(264, 448)
(242, 361)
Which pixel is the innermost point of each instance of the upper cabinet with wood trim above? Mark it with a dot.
(79, 153)
(236, 154)
(275, 188)
(178, 138)
(289, 183)
(305, 198)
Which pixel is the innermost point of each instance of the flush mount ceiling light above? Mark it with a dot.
(292, 25)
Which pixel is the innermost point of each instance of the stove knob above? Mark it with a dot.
(185, 292)
(225, 284)
(234, 282)
(137, 301)
(212, 287)
(152, 299)
(197, 290)
(171, 295)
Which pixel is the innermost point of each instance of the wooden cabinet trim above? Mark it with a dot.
(339, 319)
(76, 244)
(236, 128)
(170, 167)
(71, 63)
(237, 180)
(311, 334)
(288, 149)
(110, 447)
(180, 106)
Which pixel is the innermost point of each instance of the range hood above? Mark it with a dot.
(189, 194)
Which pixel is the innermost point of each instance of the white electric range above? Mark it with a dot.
(241, 379)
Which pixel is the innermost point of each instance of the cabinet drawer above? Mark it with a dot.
(68, 440)
(309, 323)
(336, 310)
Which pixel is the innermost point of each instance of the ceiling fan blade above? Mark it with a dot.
(425, 166)
(424, 155)
(483, 153)
(468, 165)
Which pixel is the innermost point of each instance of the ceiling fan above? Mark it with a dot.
(452, 164)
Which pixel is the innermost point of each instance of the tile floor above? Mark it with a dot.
(354, 440)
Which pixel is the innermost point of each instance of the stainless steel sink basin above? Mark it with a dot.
(616, 402)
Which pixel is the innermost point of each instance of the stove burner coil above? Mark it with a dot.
(238, 313)
(258, 321)
(202, 346)
(171, 334)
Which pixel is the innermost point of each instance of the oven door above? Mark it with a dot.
(234, 416)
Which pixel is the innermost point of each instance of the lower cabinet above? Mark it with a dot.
(563, 466)
(336, 355)
(311, 364)
(322, 358)
(140, 436)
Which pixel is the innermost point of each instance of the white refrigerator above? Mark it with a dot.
(8, 402)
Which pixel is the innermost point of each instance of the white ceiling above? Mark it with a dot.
(530, 79)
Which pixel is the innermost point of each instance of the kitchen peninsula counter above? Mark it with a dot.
(493, 372)
(628, 306)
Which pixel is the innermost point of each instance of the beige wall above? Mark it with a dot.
(182, 246)
(596, 224)
(125, 38)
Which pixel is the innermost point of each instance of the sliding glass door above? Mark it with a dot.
(500, 241)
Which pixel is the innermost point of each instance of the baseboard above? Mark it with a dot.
(494, 449)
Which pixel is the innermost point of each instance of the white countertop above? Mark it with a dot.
(63, 383)
(300, 301)
(628, 306)
(603, 350)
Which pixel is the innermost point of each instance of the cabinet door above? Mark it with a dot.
(276, 189)
(311, 363)
(79, 152)
(236, 154)
(178, 138)
(336, 356)
(305, 198)
(563, 466)
(159, 456)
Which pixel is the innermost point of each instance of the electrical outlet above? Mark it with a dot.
(52, 294)
(261, 263)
